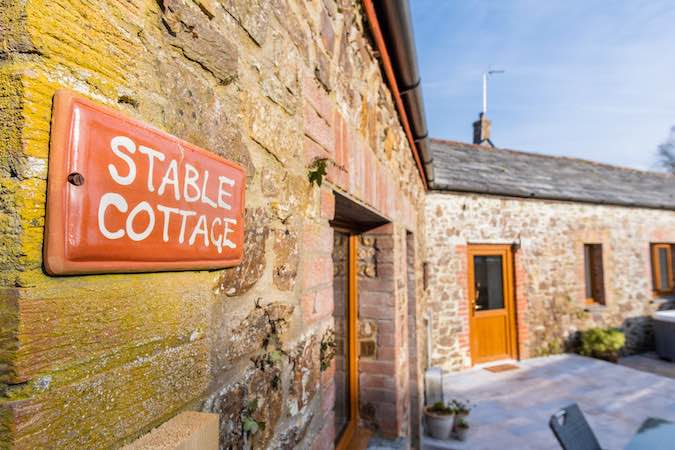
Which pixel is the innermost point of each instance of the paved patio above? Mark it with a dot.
(513, 407)
(649, 362)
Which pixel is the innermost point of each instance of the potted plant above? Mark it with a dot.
(461, 429)
(439, 419)
(461, 410)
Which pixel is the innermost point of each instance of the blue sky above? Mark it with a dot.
(590, 79)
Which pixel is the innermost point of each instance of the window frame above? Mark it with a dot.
(656, 268)
(590, 274)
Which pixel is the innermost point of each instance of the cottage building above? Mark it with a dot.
(355, 253)
(525, 249)
(310, 336)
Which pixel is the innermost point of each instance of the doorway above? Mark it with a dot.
(492, 315)
(344, 315)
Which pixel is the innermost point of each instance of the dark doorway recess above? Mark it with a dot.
(354, 217)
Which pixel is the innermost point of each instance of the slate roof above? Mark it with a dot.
(464, 167)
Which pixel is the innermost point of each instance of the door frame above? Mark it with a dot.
(352, 335)
(506, 252)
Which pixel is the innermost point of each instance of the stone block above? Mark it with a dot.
(318, 130)
(199, 40)
(108, 406)
(327, 32)
(190, 430)
(238, 280)
(252, 15)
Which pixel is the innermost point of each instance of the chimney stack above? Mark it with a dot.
(481, 131)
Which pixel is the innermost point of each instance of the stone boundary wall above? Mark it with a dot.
(549, 268)
(96, 361)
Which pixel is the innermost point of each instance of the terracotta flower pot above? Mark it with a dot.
(460, 433)
(458, 416)
(439, 426)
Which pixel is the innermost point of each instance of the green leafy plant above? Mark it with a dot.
(461, 423)
(460, 407)
(553, 347)
(249, 424)
(317, 170)
(441, 408)
(602, 343)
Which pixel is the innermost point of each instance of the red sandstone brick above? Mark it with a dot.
(317, 305)
(317, 239)
(347, 143)
(313, 150)
(386, 326)
(375, 298)
(376, 312)
(327, 204)
(386, 339)
(386, 415)
(326, 437)
(318, 130)
(381, 396)
(374, 284)
(368, 172)
(377, 381)
(328, 397)
(338, 125)
(327, 33)
(387, 352)
(328, 374)
(317, 97)
(316, 271)
(380, 367)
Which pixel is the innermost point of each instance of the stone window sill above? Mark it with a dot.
(595, 307)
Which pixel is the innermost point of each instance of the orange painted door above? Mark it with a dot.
(491, 303)
(345, 310)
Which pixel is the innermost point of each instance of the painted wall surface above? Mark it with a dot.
(549, 268)
(96, 361)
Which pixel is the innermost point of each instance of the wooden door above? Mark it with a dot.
(345, 316)
(492, 317)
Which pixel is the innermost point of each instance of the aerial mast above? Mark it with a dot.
(486, 75)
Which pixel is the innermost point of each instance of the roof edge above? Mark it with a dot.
(450, 142)
(447, 189)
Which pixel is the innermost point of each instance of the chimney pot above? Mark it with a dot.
(481, 131)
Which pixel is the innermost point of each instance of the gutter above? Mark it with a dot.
(392, 31)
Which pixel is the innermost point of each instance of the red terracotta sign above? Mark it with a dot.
(125, 197)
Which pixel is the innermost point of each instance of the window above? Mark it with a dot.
(662, 268)
(595, 279)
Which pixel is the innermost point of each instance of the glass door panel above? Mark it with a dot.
(489, 284)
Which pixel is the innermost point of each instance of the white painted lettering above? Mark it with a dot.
(142, 206)
(151, 154)
(128, 144)
(191, 177)
(166, 210)
(116, 200)
(205, 199)
(223, 193)
(219, 241)
(200, 228)
(227, 230)
(184, 215)
(170, 177)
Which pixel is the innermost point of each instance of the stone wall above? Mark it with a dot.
(96, 361)
(549, 268)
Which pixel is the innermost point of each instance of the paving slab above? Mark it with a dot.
(513, 408)
(649, 362)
